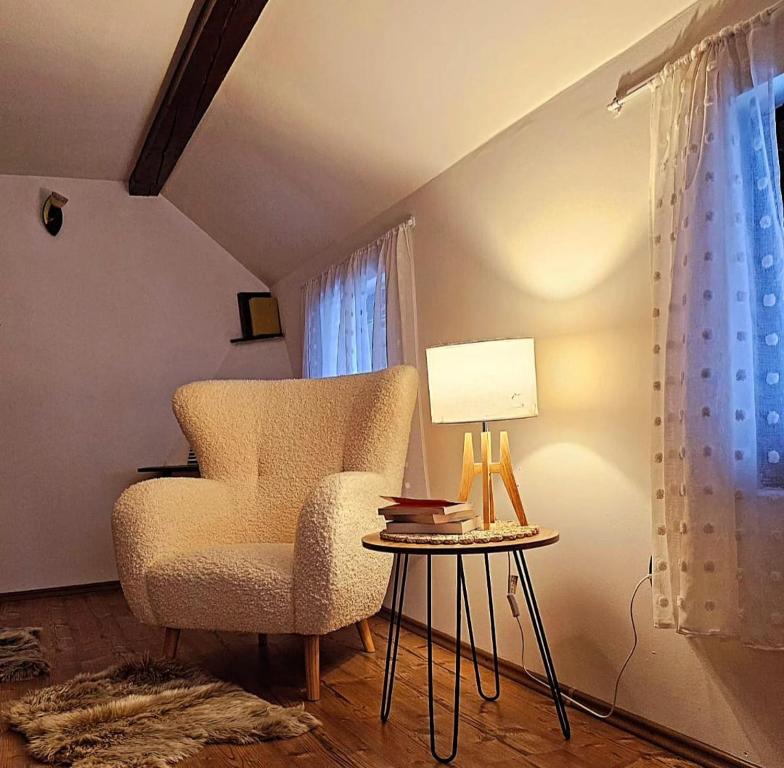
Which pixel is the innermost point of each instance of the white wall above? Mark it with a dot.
(543, 231)
(98, 326)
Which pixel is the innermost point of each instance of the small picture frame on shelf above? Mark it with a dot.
(259, 316)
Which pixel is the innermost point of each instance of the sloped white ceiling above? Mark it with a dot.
(333, 111)
(336, 109)
(78, 82)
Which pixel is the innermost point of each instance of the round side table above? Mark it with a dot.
(402, 552)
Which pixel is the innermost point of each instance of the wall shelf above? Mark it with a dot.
(260, 337)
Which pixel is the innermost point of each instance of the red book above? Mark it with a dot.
(432, 508)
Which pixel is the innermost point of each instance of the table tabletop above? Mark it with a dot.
(542, 539)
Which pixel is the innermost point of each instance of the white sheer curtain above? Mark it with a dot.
(718, 261)
(360, 316)
(345, 317)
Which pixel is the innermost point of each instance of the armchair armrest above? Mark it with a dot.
(160, 517)
(336, 580)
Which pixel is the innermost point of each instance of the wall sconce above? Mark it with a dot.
(52, 212)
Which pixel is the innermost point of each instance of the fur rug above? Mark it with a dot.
(20, 654)
(145, 714)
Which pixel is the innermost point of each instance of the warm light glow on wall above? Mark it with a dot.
(582, 253)
(482, 381)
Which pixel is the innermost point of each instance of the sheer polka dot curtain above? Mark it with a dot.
(718, 347)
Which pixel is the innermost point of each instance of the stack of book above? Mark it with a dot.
(407, 515)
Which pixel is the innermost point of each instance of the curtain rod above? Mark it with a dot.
(616, 105)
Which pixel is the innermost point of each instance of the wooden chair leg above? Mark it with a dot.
(365, 636)
(171, 639)
(312, 671)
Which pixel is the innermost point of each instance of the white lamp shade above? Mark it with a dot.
(482, 381)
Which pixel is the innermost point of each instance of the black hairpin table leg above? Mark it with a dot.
(541, 639)
(496, 675)
(393, 639)
(375, 542)
(459, 582)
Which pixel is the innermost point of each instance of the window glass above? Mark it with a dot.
(762, 138)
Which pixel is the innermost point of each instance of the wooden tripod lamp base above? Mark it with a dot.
(487, 468)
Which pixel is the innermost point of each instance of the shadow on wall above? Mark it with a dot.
(745, 673)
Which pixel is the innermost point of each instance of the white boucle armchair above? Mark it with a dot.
(268, 540)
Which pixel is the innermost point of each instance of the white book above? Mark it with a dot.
(461, 526)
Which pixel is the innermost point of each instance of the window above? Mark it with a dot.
(780, 140)
(360, 315)
(345, 317)
(763, 142)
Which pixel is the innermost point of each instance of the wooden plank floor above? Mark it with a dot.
(91, 631)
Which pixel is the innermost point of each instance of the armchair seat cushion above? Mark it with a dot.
(237, 587)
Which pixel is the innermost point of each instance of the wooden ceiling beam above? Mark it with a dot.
(219, 33)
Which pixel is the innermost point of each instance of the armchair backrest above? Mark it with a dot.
(271, 442)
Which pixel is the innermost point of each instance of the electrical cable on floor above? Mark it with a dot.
(511, 588)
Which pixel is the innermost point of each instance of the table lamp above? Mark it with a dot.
(484, 381)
